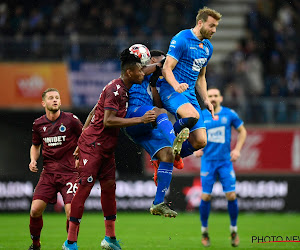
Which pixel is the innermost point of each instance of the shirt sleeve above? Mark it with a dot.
(236, 121)
(36, 139)
(176, 47)
(76, 125)
(112, 98)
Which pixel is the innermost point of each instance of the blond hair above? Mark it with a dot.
(205, 12)
(48, 90)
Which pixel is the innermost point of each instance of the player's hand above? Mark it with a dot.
(76, 153)
(149, 116)
(234, 154)
(210, 108)
(181, 87)
(33, 166)
(77, 163)
(198, 153)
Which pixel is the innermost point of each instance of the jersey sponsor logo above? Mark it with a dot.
(216, 135)
(55, 140)
(62, 128)
(198, 64)
(84, 161)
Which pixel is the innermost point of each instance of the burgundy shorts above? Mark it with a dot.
(50, 184)
(95, 164)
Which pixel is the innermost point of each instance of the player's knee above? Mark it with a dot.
(159, 111)
(231, 196)
(206, 197)
(200, 143)
(36, 212)
(108, 186)
(166, 155)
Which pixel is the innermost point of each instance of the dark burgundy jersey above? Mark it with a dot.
(59, 140)
(113, 97)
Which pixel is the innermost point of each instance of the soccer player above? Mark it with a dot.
(183, 71)
(96, 149)
(217, 159)
(158, 138)
(58, 132)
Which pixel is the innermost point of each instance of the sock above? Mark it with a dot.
(35, 228)
(164, 177)
(165, 127)
(73, 230)
(187, 149)
(233, 211)
(110, 228)
(181, 123)
(204, 210)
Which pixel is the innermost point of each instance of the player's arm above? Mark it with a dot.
(198, 153)
(167, 72)
(151, 68)
(35, 152)
(201, 87)
(156, 98)
(112, 120)
(236, 152)
(89, 118)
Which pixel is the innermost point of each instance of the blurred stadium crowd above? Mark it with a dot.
(264, 64)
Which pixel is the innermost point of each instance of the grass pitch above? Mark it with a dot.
(145, 231)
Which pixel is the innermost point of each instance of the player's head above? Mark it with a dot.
(51, 99)
(208, 20)
(157, 56)
(215, 96)
(131, 67)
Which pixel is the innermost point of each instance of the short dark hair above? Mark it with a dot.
(157, 53)
(214, 87)
(48, 90)
(128, 60)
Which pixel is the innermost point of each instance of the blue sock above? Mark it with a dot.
(204, 210)
(164, 177)
(181, 123)
(165, 127)
(233, 211)
(187, 149)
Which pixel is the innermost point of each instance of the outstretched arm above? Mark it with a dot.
(112, 120)
(201, 87)
(167, 72)
(89, 118)
(236, 152)
(34, 156)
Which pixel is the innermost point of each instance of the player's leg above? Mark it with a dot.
(164, 177)
(68, 189)
(36, 222)
(228, 180)
(44, 193)
(197, 138)
(208, 178)
(89, 162)
(108, 202)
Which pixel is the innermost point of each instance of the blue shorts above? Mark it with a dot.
(172, 100)
(150, 138)
(211, 170)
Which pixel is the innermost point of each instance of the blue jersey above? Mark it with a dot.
(219, 133)
(140, 94)
(192, 55)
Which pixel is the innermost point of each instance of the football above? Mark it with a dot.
(142, 52)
